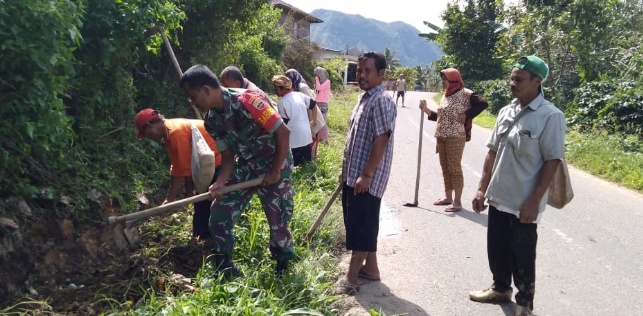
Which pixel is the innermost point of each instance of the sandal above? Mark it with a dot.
(442, 202)
(451, 209)
(344, 287)
(362, 274)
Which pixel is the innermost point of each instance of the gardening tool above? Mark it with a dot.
(124, 223)
(323, 213)
(417, 177)
(160, 30)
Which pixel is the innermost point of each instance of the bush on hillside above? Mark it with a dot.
(496, 92)
(609, 105)
(73, 74)
(335, 68)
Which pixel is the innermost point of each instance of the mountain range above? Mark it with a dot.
(341, 31)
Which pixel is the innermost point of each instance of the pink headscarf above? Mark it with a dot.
(455, 80)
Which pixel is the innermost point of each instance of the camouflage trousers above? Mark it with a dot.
(277, 203)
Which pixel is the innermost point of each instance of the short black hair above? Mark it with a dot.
(197, 76)
(380, 60)
(232, 72)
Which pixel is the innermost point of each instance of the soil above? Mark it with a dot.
(57, 266)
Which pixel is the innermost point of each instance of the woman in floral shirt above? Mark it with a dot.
(455, 113)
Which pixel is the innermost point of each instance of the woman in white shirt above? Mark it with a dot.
(293, 108)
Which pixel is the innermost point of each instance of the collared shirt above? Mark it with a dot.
(538, 136)
(373, 116)
(245, 125)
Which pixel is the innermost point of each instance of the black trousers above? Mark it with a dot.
(201, 217)
(302, 155)
(511, 248)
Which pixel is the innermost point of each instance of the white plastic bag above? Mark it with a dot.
(202, 161)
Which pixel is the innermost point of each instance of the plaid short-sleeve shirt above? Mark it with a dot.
(373, 116)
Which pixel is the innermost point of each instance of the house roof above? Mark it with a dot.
(288, 7)
(331, 50)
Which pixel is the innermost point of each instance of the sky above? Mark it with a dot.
(406, 11)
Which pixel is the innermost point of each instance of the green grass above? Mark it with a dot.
(610, 156)
(306, 288)
(485, 119)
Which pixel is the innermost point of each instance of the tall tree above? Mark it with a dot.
(582, 40)
(469, 37)
(423, 75)
(392, 63)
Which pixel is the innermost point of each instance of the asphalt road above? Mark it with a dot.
(589, 254)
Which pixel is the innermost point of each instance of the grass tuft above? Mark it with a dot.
(610, 156)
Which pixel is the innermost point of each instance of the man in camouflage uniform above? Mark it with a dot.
(244, 125)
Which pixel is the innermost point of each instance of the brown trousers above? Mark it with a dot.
(450, 152)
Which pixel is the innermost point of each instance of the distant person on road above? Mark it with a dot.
(365, 170)
(400, 84)
(253, 141)
(322, 96)
(231, 77)
(525, 147)
(456, 111)
(293, 107)
(176, 134)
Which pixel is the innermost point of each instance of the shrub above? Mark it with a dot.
(335, 68)
(496, 92)
(609, 106)
(38, 38)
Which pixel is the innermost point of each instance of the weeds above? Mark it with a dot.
(610, 156)
(304, 290)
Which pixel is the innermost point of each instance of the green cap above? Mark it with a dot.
(534, 65)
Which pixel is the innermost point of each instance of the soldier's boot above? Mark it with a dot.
(223, 265)
(282, 260)
(281, 267)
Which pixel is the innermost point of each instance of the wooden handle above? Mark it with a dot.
(417, 177)
(177, 66)
(171, 52)
(322, 214)
(193, 199)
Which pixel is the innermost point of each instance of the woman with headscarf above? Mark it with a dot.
(293, 108)
(453, 118)
(322, 89)
(299, 84)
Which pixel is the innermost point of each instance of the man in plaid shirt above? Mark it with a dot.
(365, 171)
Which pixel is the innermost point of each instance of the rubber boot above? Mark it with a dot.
(282, 260)
(223, 265)
(281, 267)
